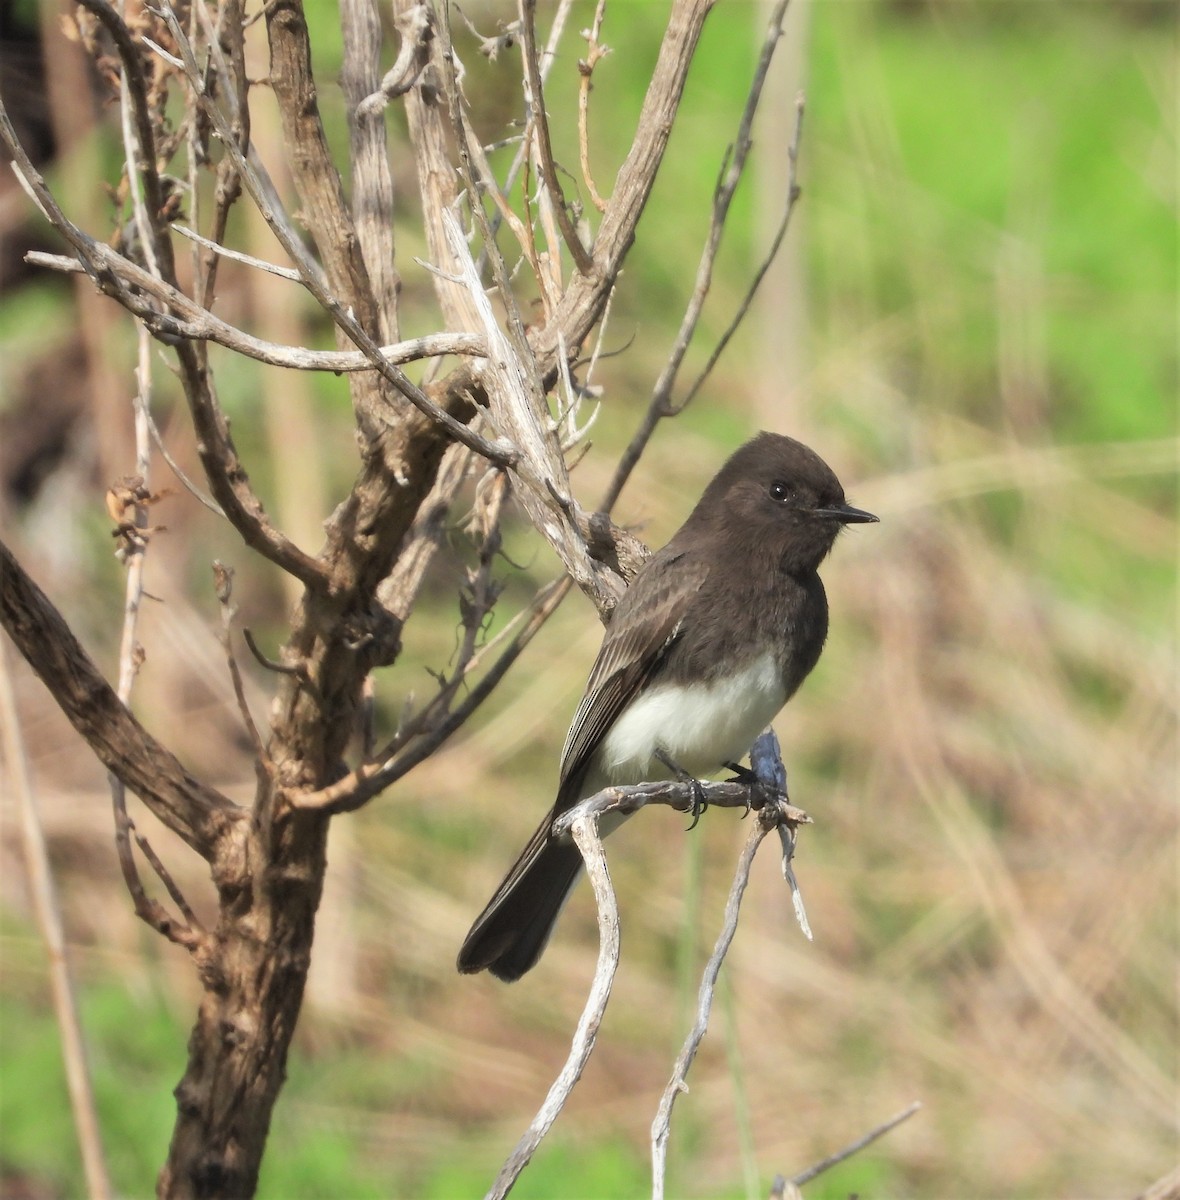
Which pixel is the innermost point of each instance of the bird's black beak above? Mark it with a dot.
(847, 515)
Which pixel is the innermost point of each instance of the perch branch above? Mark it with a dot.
(585, 833)
(582, 822)
(768, 817)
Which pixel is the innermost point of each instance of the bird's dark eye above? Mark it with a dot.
(780, 492)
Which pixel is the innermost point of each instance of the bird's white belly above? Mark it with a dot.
(698, 727)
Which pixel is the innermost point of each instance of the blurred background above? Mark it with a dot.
(975, 321)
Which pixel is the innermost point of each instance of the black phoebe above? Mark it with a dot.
(711, 639)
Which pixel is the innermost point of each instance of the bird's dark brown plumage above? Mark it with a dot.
(713, 636)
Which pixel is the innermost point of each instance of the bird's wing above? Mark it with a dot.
(643, 628)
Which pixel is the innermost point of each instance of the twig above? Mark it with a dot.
(594, 54)
(768, 819)
(177, 470)
(501, 455)
(521, 157)
(148, 910)
(156, 244)
(48, 911)
(199, 814)
(186, 932)
(732, 169)
(793, 194)
(585, 833)
(237, 255)
(583, 260)
(227, 37)
(223, 579)
(359, 786)
(854, 1147)
(187, 319)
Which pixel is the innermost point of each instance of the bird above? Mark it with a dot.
(713, 636)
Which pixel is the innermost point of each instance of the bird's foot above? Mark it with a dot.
(699, 803)
(742, 775)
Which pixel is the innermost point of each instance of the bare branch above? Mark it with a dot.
(187, 932)
(585, 294)
(358, 787)
(518, 410)
(416, 27)
(221, 251)
(583, 260)
(199, 814)
(855, 1147)
(793, 194)
(585, 833)
(768, 818)
(372, 179)
(199, 324)
(595, 52)
(660, 405)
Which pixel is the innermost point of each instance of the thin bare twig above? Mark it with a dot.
(793, 194)
(135, 547)
(248, 260)
(223, 580)
(595, 52)
(149, 910)
(359, 786)
(855, 1147)
(48, 913)
(143, 159)
(313, 277)
(585, 833)
(732, 169)
(177, 470)
(521, 157)
(269, 663)
(768, 818)
(583, 259)
(187, 319)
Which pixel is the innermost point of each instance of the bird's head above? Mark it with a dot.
(777, 496)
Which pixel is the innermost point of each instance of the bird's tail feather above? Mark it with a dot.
(510, 934)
